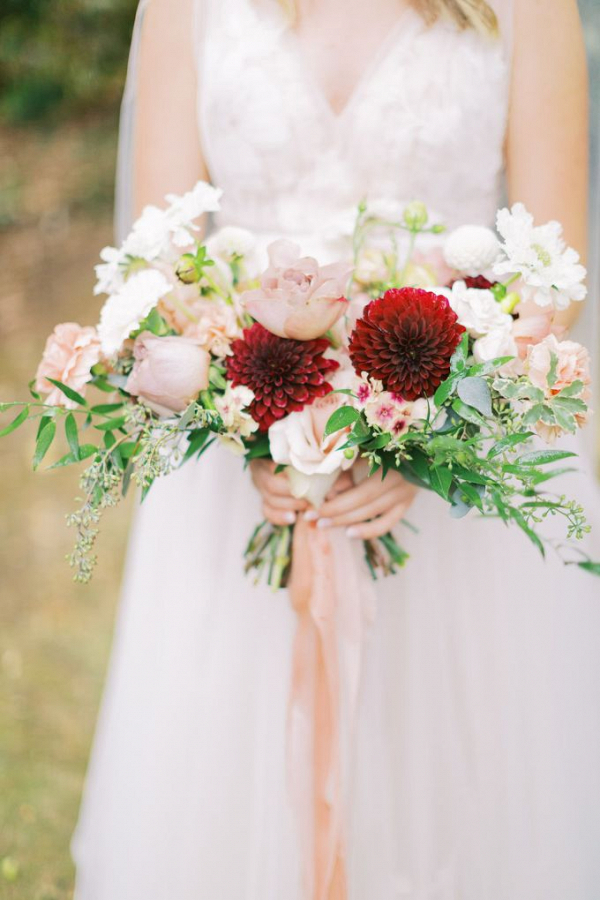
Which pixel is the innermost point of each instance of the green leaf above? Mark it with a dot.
(441, 480)
(66, 460)
(103, 408)
(16, 422)
(470, 476)
(540, 477)
(459, 359)
(111, 424)
(508, 442)
(471, 494)
(419, 465)
(572, 390)
(589, 566)
(87, 450)
(71, 434)
(486, 368)
(445, 390)
(258, 447)
(109, 440)
(570, 404)
(197, 440)
(468, 413)
(378, 442)
(475, 392)
(44, 441)
(68, 392)
(534, 414)
(518, 517)
(544, 457)
(341, 418)
(553, 367)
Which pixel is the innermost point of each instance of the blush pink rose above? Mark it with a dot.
(573, 364)
(69, 354)
(169, 372)
(297, 298)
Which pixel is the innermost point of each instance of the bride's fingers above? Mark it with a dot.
(278, 502)
(375, 507)
(343, 483)
(381, 525)
(360, 495)
(278, 516)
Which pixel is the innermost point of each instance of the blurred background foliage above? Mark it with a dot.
(61, 57)
(62, 67)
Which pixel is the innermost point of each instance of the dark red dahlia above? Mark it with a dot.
(479, 281)
(406, 339)
(285, 375)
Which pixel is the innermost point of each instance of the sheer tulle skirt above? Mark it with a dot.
(476, 770)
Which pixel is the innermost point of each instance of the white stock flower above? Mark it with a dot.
(123, 311)
(471, 249)
(476, 309)
(498, 342)
(551, 272)
(109, 272)
(184, 210)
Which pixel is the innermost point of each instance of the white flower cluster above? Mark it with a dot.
(157, 232)
(232, 406)
(550, 271)
(124, 310)
(480, 313)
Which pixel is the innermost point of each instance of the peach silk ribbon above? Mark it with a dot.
(332, 601)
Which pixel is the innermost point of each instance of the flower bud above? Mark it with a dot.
(415, 215)
(186, 270)
(510, 302)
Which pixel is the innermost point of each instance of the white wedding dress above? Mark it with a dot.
(475, 773)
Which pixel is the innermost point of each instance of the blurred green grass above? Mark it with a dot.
(55, 210)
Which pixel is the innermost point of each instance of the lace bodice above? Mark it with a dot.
(426, 120)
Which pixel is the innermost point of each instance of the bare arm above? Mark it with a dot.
(168, 157)
(547, 144)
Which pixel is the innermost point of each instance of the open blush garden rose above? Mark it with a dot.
(297, 298)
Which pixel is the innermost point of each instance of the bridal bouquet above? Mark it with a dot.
(432, 355)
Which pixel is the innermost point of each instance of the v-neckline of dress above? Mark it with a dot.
(291, 42)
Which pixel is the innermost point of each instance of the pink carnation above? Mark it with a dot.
(69, 355)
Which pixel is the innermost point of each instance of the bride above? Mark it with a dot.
(472, 761)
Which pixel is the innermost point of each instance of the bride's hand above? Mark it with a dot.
(279, 506)
(369, 509)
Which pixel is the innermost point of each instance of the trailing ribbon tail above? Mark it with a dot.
(329, 600)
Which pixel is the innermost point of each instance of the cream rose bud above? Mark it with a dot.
(471, 249)
(169, 372)
(297, 298)
(69, 355)
(314, 461)
(572, 364)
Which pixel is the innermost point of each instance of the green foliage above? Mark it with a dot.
(59, 57)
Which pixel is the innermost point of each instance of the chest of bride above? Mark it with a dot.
(425, 119)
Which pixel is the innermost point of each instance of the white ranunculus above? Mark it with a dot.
(124, 310)
(497, 343)
(478, 310)
(551, 272)
(471, 249)
(230, 242)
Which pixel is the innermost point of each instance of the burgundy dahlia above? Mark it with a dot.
(478, 281)
(284, 375)
(406, 339)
